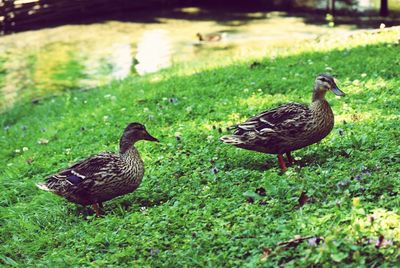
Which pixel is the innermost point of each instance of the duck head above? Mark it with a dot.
(323, 84)
(134, 132)
(200, 36)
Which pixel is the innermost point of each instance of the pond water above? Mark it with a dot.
(45, 62)
(153, 51)
(359, 5)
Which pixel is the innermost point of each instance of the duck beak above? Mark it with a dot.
(337, 91)
(148, 137)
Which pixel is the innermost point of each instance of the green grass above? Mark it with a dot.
(193, 209)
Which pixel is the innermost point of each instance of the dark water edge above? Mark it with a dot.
(46, 14)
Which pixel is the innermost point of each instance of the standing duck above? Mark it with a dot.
(290, 126)
(104, 176)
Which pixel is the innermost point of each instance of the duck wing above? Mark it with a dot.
(272, 131)
(289, 117)
(77, 179)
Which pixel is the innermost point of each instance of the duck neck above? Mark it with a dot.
(320, 106)
(318, 95)
(126, 145)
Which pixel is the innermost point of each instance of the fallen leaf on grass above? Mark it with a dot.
(312, 241)
(261, 191)
(303, 199)
(381, 242)
(265, 254)
(293, 242)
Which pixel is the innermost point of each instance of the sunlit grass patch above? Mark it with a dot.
(57, 67)
(380, 222)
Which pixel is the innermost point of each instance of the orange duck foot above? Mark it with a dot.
(282, 163)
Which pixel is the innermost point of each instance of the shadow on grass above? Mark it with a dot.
(270, 161)
(260, 162)
(130, 203)
(232, 13)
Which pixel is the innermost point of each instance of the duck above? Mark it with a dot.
(104, 176)
(289, 127)
(212, 37)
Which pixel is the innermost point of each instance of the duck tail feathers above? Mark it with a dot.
(43, 186)
(232, 139)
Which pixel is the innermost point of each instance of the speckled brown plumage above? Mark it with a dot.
(103, 176)
(212, 37)
(288, 127)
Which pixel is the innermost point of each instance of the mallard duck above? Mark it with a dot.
(212, 37)
(103, 176)
(289, 127)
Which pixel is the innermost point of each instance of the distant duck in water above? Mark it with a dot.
(212, 37)
(104, 176)
(289, 127)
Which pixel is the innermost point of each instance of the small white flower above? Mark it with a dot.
(189, 109)
(68, 150)
(382, 26)
(17, 150)
(145, 109)
(105, 118)
(246, 90)
(259, 90)
(363, 75)
(25, 149)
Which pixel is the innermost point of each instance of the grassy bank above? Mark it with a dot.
(198, 205)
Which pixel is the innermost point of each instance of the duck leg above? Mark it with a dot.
(290, 158)
(96, 209)
(282, 163)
